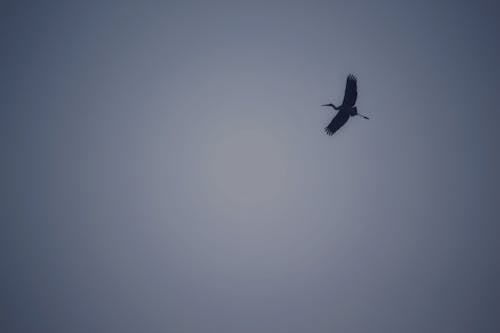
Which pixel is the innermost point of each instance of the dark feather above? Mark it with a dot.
(351, 91)
(337, 122)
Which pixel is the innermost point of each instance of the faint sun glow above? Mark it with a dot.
(247, 169)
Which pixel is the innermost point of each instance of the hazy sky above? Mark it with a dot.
(165, 169)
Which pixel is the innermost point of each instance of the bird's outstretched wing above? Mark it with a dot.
(351, 91)
(337, 122)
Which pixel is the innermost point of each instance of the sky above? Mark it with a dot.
(165, 168)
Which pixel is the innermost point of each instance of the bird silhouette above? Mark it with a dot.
(347, 109)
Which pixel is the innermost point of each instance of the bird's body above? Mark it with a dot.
(347, 108)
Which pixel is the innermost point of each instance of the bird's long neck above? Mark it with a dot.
(335, 107)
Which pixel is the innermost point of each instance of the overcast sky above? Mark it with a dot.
(165, 169)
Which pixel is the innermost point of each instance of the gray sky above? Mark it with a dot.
(165, 167)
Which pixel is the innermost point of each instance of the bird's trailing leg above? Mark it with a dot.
(354, 112)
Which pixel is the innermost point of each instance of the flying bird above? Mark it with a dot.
(347, 109)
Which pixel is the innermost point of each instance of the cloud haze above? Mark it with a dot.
(165, 169)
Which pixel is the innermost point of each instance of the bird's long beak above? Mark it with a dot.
(325, 105)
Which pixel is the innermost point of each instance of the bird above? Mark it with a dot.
(347, 109)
